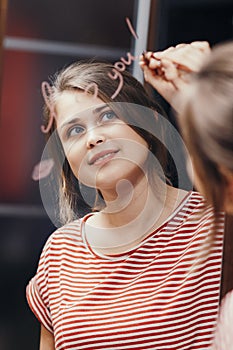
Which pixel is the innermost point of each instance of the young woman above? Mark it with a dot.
(205, 109)
(128, 275)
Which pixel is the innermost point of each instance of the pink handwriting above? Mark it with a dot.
(116, 75)
(119, 67)
(130, 58)
(42, 169)
(131, 28)
(89, 86)
(46, 93)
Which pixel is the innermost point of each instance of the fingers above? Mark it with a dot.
(147, 59)
(151, 77)
(164, 76)
(164, 87)
(170, 90)
(202, 45)
(163, 68)
(187, 57)
(178, 78)
(169, 69)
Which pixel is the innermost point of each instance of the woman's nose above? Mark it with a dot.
(94, 137)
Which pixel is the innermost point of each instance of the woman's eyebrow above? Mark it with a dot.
(99, 109)
(78, 120)
(70, 122)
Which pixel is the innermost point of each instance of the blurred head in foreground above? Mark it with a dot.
(207, 126)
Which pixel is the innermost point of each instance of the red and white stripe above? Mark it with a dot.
(161, 295)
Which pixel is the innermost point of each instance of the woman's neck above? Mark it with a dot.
(127, 203)
(124, 219)
(129, 217)
(114, 231)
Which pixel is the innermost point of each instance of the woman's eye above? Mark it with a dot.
(77, 130)
(109, 115)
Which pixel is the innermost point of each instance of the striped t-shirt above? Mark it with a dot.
(160, 295)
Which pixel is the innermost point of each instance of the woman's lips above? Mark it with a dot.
(102, 157)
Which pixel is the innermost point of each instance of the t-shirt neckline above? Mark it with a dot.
(122, 256)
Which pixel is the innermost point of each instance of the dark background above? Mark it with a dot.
(89, 25)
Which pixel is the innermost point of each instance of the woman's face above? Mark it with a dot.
(100, 148)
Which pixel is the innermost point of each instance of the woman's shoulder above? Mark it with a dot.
(190, 201)
(197, 202)
(197, 199)
(191, 197)
(194, 208)
(65, 236)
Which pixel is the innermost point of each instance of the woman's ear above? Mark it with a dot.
(228, 174)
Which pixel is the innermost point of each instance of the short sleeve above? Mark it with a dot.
(223, 338)
(37, 292)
